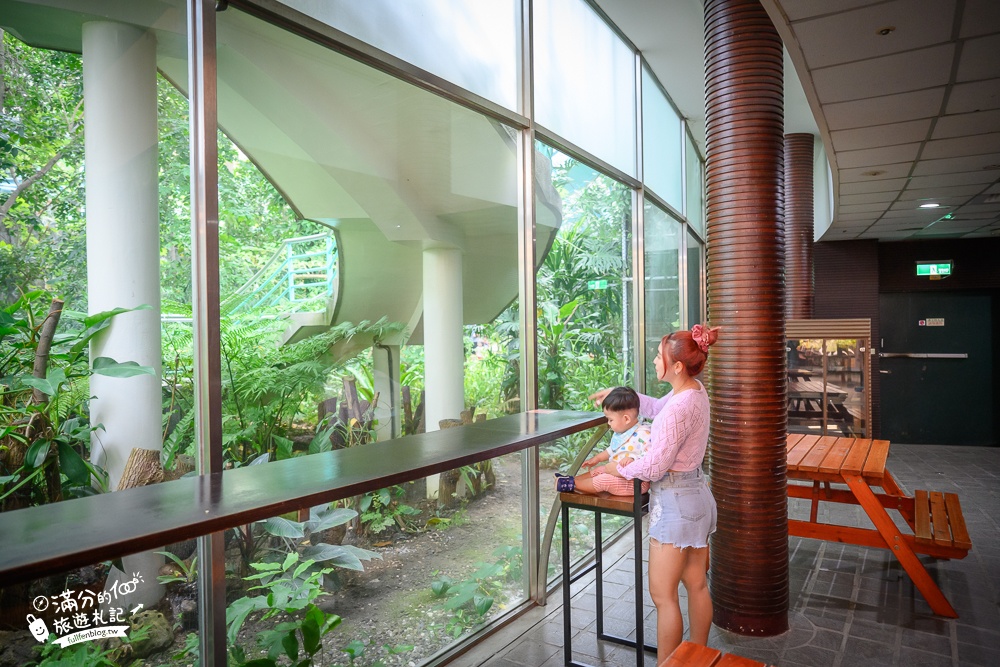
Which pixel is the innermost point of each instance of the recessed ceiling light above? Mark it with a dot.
(931, 205)
(991, 167)
(886, 30)
(873, 172)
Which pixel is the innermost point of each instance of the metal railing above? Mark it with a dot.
(299, 273)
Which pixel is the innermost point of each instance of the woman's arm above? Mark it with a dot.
(649, 407)
(667, 435)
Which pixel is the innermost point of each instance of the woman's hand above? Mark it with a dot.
(612, 467)
(598, 396)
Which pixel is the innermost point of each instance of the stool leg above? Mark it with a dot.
(567, 628)
(599, 573)
(640, 639)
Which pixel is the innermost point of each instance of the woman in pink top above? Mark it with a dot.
(682, 512)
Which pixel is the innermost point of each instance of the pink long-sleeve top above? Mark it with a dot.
(679, 434)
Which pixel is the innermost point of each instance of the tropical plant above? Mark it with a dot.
(44, 392)
(291, 588)
(470, 599)
(265, 388)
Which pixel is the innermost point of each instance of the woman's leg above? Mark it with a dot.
(699, 598)
(666, 562)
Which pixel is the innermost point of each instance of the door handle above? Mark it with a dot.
(922, 355)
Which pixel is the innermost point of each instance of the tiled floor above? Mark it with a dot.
(850, 606)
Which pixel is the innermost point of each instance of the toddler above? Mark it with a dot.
(621, 407)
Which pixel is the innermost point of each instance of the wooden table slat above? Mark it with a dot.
(733, 660)
(939, 519)
(875, 463)
(835, 457)
(812, 460)
(800, 449)
(855, 460)
(959, 533)
(922, 525)
(692, 655)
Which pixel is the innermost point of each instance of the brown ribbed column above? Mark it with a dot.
(744, 105)
(799, 226)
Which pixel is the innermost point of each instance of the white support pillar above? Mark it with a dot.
(444, 351)
(123, 248)
(385, 368)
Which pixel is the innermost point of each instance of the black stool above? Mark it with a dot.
(603, 503)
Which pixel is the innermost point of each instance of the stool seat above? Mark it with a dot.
(632, 506)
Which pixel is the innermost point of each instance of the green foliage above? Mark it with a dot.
(382, 509)
(84, 654)
(470, 599)
(45, 442)
(290, 588)
(265, 388)
(186, 572)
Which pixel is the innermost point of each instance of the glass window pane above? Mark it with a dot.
(663, 308)
(826, 387)
(662, 169)
(472, 44)
(585, 81)
(695, 271)
(695, 209)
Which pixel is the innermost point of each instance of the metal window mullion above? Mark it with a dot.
(203, 99)
(638, 239)
(528, 321)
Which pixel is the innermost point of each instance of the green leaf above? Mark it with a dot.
(50, 385)
(284, 448)
(310, 633)
(97, 318)
(281, 527)
(72, 465)
(291, 645)
(482, 604)
(126, 369)
(36, 453)
(331, 518)
(290, 560)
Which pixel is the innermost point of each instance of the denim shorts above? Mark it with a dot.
(682, 510)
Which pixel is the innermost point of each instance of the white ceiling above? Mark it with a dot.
(907, 117)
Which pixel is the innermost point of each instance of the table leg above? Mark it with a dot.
(897, 545)
(814, 510)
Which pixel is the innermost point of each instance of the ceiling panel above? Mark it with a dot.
(956, 164)
(979, 96)
(862, 208)
(947, 180)
(884, 155)
(868, 198)
(803, 9)
(878, 110)
(880, 135)
(973, 145)
(966, 191)
(876, 172)
(979, 59)
(886, 185)
(966, 124)
(898, 73)
(854, 35)
(980, 17)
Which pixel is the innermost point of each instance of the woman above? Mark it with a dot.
(682, 511)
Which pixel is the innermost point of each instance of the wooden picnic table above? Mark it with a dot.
(809, 399)
(935, 519)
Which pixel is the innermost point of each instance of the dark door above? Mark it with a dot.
(942, 398)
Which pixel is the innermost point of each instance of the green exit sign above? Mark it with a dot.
(933, 268)
(597, 284)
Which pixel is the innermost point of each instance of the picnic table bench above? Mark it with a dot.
(935, 519)
(696, 655)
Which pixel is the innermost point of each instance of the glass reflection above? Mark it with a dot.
(581, 64)
(663, 162)
(695, 271)
(663, 309)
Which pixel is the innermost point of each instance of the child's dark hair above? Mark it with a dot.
(621, 399)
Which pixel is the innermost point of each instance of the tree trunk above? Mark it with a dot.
(142, 468)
